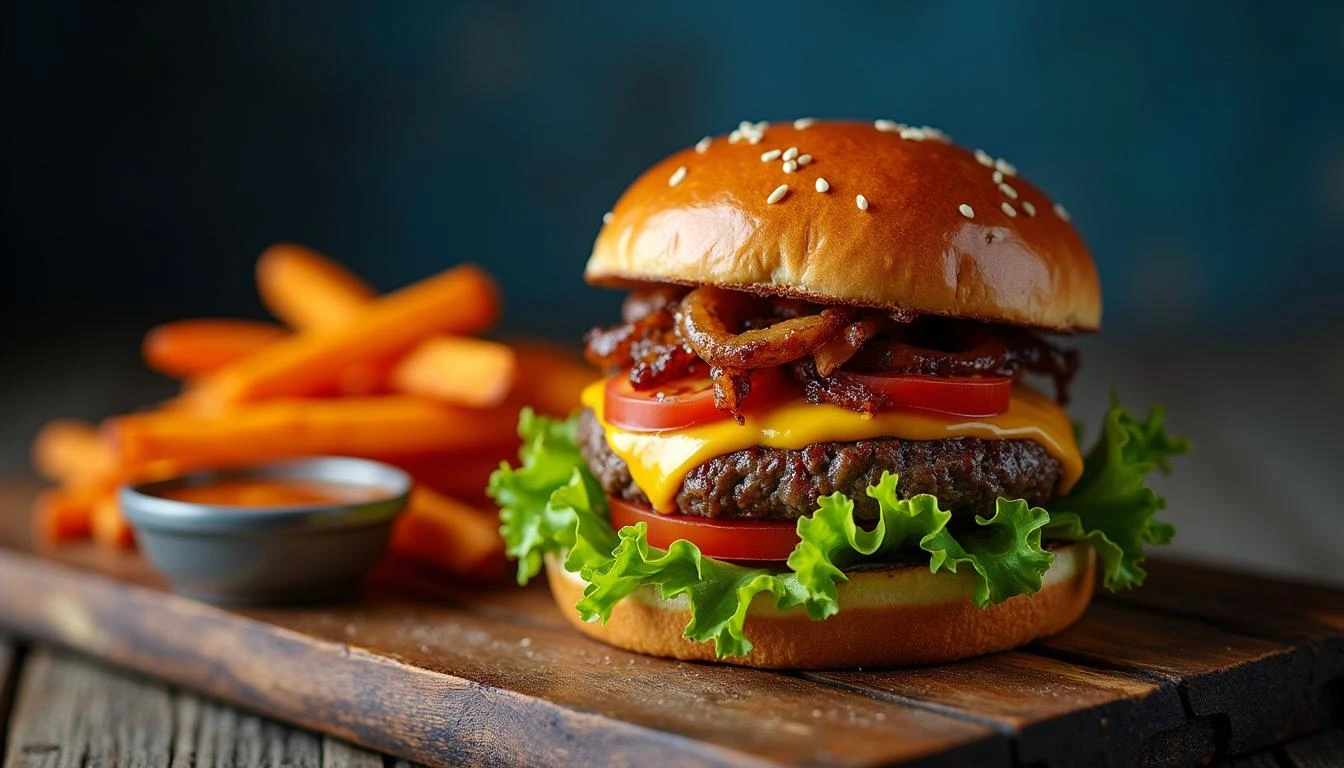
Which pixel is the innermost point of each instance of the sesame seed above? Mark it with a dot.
(702, 145)
(1061, 213)
(1009, 191)
(752, 132)
(982, 157)
(933, 133)
(607, 217)
(822, 184)
(998, 177)
(913, 134)
(887, 126)
(791, 153)
(966, 211)
(677, 176)
(770, 155)
(1028, 207)
(803, 123)
(1005, 166)
(1008, 209)
(778, 194)
(804, 160)
(861, 201)
(790, 166)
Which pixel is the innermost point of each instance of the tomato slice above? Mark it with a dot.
(960, 396)
(680, 404)
(739, 540)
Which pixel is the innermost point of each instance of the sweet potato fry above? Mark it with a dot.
(461, 474)
(371, 427)
(460, 300)
(448, 534)
(69, 451)
(550, 378)
(62, 514)
(366, 378)
(305, 289)
(193, 347)
(110, 528)
(458, 369)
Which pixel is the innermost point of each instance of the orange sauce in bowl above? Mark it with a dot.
(259, 492)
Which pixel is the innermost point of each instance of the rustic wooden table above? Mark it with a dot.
(67, 711)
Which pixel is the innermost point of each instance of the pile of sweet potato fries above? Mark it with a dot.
(397, 377)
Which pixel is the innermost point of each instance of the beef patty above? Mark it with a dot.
(967, 475)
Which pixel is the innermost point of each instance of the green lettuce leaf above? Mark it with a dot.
(1111, 507)
(551, 503)
(1004, 552)
(717, 593)
(549, 459)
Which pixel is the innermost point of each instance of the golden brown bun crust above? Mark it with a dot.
(912, 249)
(889, 617)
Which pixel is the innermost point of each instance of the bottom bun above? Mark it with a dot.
(888, 617)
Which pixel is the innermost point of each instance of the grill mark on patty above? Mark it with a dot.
(967, 475)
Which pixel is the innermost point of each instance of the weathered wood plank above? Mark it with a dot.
(9, 672)
(451, 686)
(339, 754)
(40, 722)
(1268, 691)
(186, 731)
(1253, 605)
(1323, 750)
(212, 735)
(1058, 713)
(70, 713)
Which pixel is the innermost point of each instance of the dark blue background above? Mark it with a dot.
(154, 153)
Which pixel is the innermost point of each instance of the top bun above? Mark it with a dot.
(939, 235)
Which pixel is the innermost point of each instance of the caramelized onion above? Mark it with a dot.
(973, 352)
(847, 343)
(707, 313)
(669, 334)
(731, 386)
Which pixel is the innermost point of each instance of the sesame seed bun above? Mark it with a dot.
(907, 221)
(888, 617)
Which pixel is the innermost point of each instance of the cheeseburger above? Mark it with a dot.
(832, 432)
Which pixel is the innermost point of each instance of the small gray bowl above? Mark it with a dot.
(282, 554)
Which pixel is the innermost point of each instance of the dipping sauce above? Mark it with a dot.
(259, 492)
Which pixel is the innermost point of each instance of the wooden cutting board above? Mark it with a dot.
(1198, 664)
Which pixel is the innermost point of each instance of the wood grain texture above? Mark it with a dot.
(74, 712)
(339, 754)
(1059, 713)
(70, 712)
(9, 669)
(1266, 691)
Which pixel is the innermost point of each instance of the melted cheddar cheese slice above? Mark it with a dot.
(659, 461)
